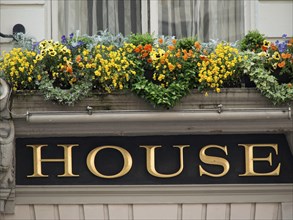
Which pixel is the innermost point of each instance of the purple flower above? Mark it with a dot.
(284, 35)
(35, 45)
(71, 35)
(63, 39)
(79, 43)
(282, 47)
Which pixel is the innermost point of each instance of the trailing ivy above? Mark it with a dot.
(75, 93)
(265, 82)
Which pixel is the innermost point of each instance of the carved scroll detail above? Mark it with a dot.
(7, 137)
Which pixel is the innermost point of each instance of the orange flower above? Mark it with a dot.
(178, 54)
(160, 40)
(149, 60)
(144, 55)
(190, 53)
(264, 48)
(282, 64)
(289, 85)
(273, 46)
(174, 41)
(69, 69)
(148, 47)
(291, 41)
(203, 57)
(286, 55)
(171, 67)
(137, 50)
(283, 55)
(197, 45)
(171, 47)
(78, 58)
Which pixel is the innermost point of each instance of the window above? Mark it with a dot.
(208, 19)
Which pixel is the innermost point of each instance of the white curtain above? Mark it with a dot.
(72, 16)
(90, 16)
(208, 19)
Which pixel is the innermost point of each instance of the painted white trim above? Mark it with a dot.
(154, 16)
(54, 19)
(23, 2)
(250, 15)
(144, 16)
(48, 19)
(155, 194)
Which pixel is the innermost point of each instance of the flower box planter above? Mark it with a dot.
(122, 113)
(229, 98)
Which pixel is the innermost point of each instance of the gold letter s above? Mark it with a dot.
(213, 160)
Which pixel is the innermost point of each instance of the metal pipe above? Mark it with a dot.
(151, 117)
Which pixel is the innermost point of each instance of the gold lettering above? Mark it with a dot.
(67, 160)
(150, 160)
(249, 160)
(213, 160)
(90, 161)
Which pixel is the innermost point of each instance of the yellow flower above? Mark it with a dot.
(161, 77)
(97, 73)
(85, 52)
(276, 56)
(21, 69)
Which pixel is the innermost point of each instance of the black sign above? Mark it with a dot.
(178, 159)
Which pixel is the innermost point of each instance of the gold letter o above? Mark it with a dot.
(90, 161)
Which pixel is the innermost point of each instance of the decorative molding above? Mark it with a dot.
(7, 136)
(244, 193)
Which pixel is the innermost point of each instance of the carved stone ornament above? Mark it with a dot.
(7, 137)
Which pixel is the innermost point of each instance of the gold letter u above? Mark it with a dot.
(150, 161)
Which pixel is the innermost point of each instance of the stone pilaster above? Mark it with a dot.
(7, 146)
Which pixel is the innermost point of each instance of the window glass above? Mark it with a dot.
(208, 19)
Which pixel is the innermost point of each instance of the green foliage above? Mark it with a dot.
(186, 43)
(265, 81)
(252, 41)
(159, 96)
(142, 39)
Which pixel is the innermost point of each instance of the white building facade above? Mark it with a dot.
(233, 112)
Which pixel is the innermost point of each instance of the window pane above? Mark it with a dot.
(208, 19)
(90, 16)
